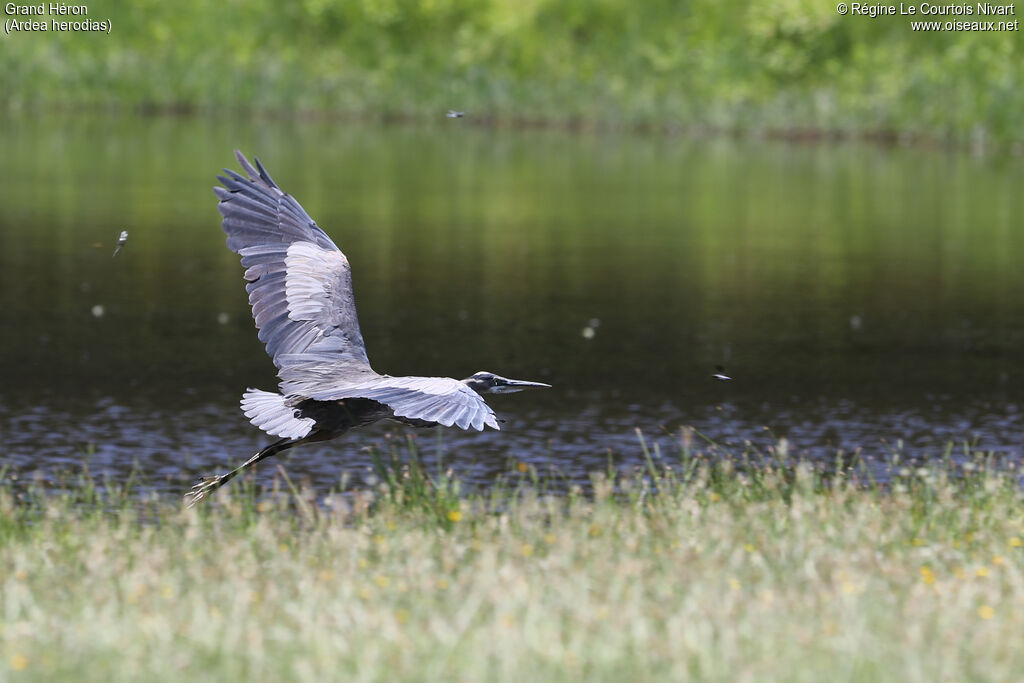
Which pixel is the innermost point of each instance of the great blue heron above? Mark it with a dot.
(300, 289)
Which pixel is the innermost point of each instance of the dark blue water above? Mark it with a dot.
(861, 298)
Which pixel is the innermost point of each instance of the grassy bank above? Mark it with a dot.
(784, 65)
(721, 576)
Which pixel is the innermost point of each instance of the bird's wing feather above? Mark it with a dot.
(299, 282)
(434, 399)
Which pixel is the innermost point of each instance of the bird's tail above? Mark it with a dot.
(270, 412)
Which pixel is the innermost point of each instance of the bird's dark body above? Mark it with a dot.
(334, 418)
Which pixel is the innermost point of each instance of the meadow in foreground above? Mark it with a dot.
(697, 572)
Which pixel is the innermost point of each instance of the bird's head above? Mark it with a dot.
(489, 383)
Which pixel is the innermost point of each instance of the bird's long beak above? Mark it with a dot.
(509, 386)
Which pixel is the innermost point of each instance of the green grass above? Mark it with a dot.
(777, 65)
(773, 573)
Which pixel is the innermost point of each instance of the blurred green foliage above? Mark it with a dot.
(788, 65)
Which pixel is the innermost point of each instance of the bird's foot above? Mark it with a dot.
(202, 490)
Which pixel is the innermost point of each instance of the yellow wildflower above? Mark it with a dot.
(986, 612)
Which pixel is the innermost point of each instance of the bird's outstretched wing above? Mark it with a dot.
(299, 282)
(433, 399)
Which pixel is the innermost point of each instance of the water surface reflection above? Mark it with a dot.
(857, 296)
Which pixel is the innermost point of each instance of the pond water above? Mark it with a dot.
(859, 297)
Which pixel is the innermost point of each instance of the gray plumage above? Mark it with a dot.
(271, 413)
(300, 289)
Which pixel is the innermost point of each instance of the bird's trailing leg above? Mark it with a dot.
(208, 485)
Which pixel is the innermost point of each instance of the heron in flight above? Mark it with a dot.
(300, 289)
